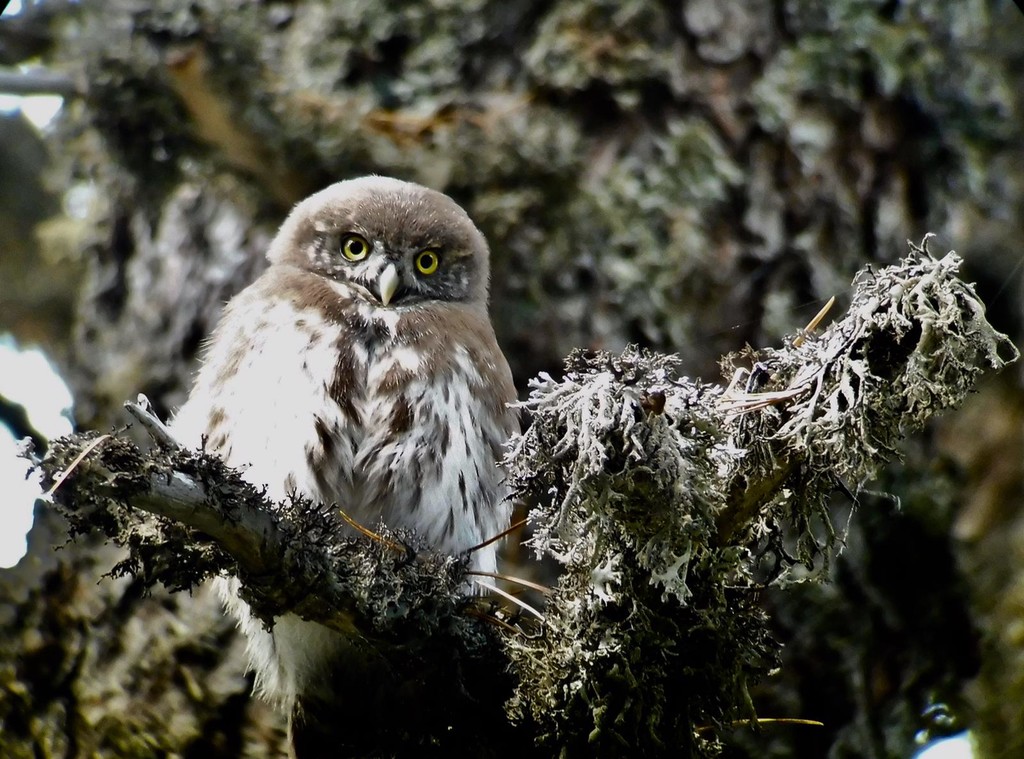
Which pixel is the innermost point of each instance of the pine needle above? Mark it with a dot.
(509, 597)
(813, 323)
(499, 536)
(74, 464)
(370, 533)
(516, 580)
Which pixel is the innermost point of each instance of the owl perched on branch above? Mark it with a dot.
(361, 370)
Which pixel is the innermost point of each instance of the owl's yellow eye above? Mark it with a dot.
(427, 262)
(354, 247)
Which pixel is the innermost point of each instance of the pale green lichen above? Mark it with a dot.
(670, 504)
(615, 45)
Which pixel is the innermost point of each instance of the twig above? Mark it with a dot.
(517, 580)
(143, 412)
(813, 324)
(371, 534)
(74, 464)
(508, 530)
(763, 721)
(38, 82)
(509, 597)
(733, 402)
(491, 620)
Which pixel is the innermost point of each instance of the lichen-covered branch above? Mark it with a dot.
(292, 557)
(669, 503)
(184, 517)
(913, 343)
(672, 504)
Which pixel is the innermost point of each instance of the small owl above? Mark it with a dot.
(361, 369)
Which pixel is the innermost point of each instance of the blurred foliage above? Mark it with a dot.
(641, 173)
(36, 308)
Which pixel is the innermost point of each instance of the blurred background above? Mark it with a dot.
(691, 176)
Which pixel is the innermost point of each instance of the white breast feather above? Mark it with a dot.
(271, 401)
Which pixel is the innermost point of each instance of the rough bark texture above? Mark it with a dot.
(690, 179)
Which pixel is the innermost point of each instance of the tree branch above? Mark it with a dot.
(669, 504)
(670, 517)
(38, 82)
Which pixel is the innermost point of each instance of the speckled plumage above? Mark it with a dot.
(394, 407)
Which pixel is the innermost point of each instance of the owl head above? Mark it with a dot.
(396, 243)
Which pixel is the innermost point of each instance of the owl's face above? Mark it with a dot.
(396, 243)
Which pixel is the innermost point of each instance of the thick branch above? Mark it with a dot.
(398, 611)
(748, 498)
(250, 539)
(291, 557)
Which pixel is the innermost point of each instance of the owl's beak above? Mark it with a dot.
(387, 284)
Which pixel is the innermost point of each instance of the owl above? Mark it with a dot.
(361, 369)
